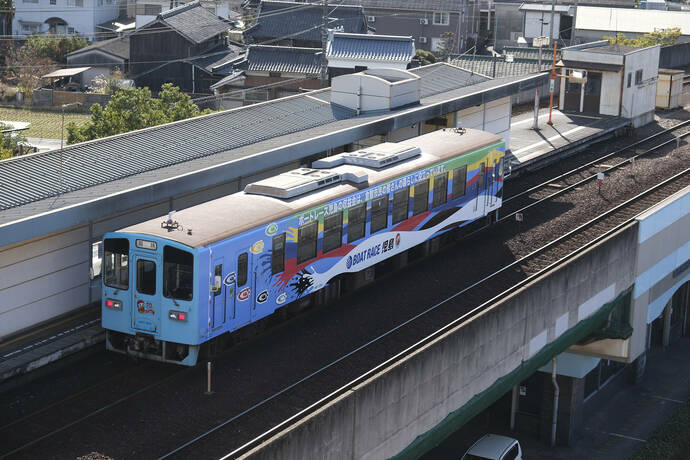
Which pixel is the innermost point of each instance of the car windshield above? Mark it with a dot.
(178, 274)
(116, 263)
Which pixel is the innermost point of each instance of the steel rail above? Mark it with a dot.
(410, 350)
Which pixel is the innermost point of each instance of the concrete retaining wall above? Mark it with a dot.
(384, 415)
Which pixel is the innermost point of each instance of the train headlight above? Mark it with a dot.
(177, 315)
(113, 304)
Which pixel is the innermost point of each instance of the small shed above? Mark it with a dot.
(669, 89)
(67, 78)
(610, 79)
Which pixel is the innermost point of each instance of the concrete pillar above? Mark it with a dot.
(667, 325)
(569, 409)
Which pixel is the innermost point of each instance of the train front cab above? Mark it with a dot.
(149, 294)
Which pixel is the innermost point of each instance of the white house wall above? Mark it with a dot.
(83, 19)
(639, 100)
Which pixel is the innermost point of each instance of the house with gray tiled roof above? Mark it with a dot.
(349, 53)
(102, 58)
(165, 50)
(299, 24)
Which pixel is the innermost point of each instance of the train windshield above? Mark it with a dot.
(178, 274)
(116, 263)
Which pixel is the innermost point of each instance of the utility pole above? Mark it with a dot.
(553, 10)
(536, 91)
(324, 45)
(572, 28)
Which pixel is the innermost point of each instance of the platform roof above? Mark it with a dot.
(103, 177)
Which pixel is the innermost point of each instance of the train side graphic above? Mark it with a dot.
(174, 283)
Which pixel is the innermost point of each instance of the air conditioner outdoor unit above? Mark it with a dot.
(422, 39)
(371, 18)
(424, 21)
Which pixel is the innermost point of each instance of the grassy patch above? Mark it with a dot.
(44, 123)
(671, 441)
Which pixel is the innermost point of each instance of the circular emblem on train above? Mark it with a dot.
(348, 262)
(262, 297)
(257, 247)
(282, 297)
(271, 229)
(244, 294)
(397, 240)
(229, 279)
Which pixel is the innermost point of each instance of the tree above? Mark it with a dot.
(54, 48)
(134, 108)
(425, 57)
(107, 85)
(27, 69)
(446, 46)
(663, 37)
(10, 143)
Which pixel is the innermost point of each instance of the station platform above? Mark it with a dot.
(49, 343)
(52, 342)
(569, 131)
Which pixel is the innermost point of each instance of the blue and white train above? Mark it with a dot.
(172, 284)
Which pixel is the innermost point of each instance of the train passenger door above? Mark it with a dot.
(218, 291)
(145, 304)
(242, 290)
(480, 203)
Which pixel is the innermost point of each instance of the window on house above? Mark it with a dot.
(638, 77)
(441, 19)
(629, 78)
(379, 214)
(278, 254)
(31, 28)
(306, 241)
(459, 180)
(332, 232)
(421, 197)
(401, 205)
(440, 190)
(356, 220)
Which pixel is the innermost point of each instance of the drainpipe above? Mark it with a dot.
(555, 402)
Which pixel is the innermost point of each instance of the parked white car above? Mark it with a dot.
(494, 447)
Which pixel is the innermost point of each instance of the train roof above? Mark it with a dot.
(221, 218)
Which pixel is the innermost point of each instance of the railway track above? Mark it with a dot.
(470, 301)
(295, 396)
(604, 164)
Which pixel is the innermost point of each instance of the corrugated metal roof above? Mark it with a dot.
(193, 21)
(371, 47)
(38, 183)
(39, 176)
(288, 59)
(531, 53)
(302, 21)
(65, 72)
(485, 66)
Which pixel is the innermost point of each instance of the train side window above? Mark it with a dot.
(421, 197)
(459, 182)
(306, 241)
(440, 190)
(401, 205)
(332, 232)
(278, 254)
(356, 221)
(146, 277)
(242, 267)
(217, 274)
(178, 274)
(379, 214)
(482, 171)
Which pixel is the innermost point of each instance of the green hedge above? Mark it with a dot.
(671, 440)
